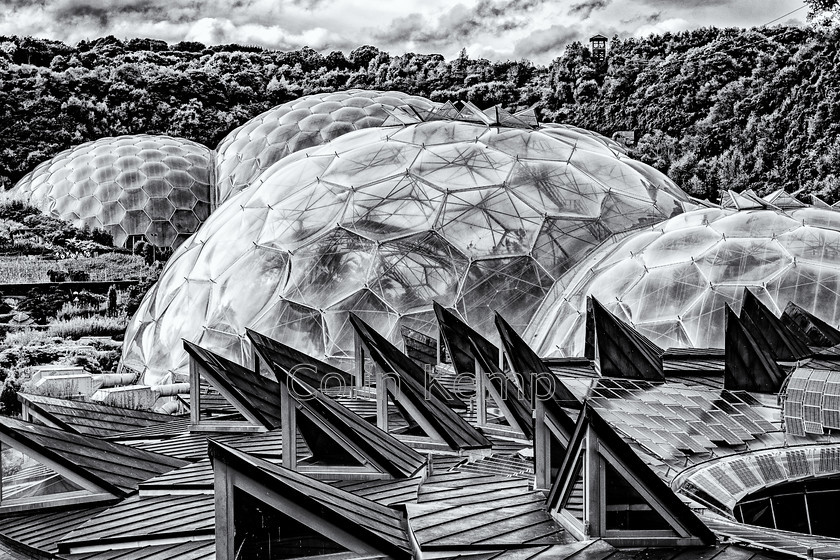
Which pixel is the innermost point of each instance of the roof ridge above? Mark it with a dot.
(623, 352)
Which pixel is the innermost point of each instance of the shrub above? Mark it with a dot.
(88, 361)
(16, 210)
(112, 300)
(78, 275)
(25, 337)
(36, 355)
(78, 327)
(9, 404)
(77, 309)
(135, 294)
(57, 275)
(42, 305)
(102, 237)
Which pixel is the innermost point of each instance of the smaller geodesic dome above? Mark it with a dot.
(154, 188)
(673, 280)
(309, 121)
(477, 212)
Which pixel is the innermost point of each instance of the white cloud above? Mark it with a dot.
(669, 25)
(496, 29)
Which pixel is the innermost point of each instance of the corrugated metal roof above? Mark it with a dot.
(145, 519)
(286, 358)
(600, 550)
(261, 398)
(187, 446)
(195, 477)
(6, 553)
(401, 364)
(158, 431)
(774, 539)
(41, 531)
(532, 370)
(89, 418)
(115, 468)
(458, 510)
(515, 521)
(193, 446)
(623, 351)
(693, 363)
(192, 550)
(385, 492)
(397, 458)
(587, 550)
(506, 446)
(502, 465)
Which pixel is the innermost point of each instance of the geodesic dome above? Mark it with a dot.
(157, 188)
(672, 281)
(305, 122)
(380, 222)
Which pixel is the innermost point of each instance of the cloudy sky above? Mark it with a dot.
(496, 29)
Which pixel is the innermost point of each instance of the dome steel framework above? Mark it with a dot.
(475, 210)
(156, 188)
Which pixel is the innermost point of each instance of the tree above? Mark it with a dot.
(149, 253)
(362, 56)
(112, 300)
(816, 7)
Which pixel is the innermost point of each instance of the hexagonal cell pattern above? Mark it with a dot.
(129, 186)
(381, 222)
(312, 120)
(672, 281)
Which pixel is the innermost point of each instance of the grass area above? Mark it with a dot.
(107, 267)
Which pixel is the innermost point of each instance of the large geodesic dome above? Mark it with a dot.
(309, 121)
(381, 222)
(154, 188)
(673, 280)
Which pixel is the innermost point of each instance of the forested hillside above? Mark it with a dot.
(714, 108)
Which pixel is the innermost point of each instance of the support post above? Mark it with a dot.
(359, 353)
(195, 392)
(223, 492)
(542, 449)
(288, 427)
(381, 401)
(480, 394)
(594, 475)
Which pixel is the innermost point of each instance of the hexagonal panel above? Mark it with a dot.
(112, 213)
(513, 287)
(159, 209)
(411, 272)
(486, 222)
(325, 271)
(130, 170)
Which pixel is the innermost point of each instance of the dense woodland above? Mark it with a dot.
(713, 108)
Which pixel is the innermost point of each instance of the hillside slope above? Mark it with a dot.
(714, 108)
